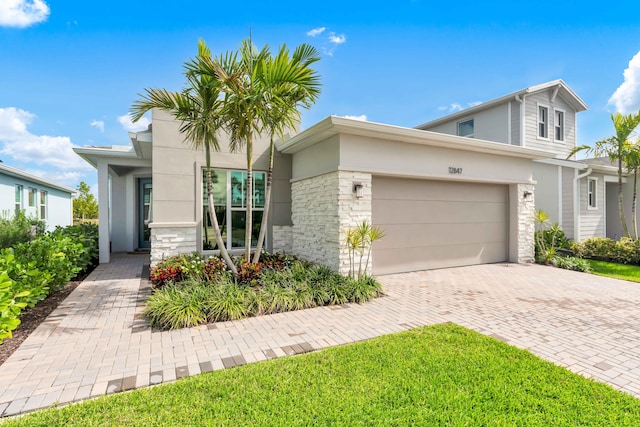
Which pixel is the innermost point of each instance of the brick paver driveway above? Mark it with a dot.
(95, 342)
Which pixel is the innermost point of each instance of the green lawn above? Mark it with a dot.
(616, 271)
(442, 375)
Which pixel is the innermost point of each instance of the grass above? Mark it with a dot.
(616, 271)
(442, 375)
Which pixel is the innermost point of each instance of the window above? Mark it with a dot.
(543, 121)
(466, 128)
(43, 204)
(19, 191)
(32, 197)
(559, 125)
(229, 199)
(592, 187)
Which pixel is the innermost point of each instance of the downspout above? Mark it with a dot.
(576, 203)
(520, 99)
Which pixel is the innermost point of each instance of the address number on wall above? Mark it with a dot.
(455, 171)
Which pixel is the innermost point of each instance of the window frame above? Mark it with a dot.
(557, 111)
(43, 205)
(32, 197)
(229, 206)
(592, 194)
(19, 194)
(461, 122)
(545, 123)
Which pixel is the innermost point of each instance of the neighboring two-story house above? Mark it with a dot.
(573, 193)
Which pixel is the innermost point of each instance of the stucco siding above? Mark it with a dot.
(547, 190)
(560, 148)
(413, 160)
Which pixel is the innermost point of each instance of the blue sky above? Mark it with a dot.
(69, 70)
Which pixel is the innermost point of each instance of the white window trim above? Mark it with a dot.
(44, 205)
(538, 106)
(595, 207)
(471, 119)
(564, 124)
(35, 197)
(19, 187)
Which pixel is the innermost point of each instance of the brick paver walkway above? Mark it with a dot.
(95, 343)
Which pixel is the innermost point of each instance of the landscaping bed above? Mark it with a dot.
(193, 290)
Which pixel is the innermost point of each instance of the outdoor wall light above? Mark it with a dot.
(357, 188)
(526, 194)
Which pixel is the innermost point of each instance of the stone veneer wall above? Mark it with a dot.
(282, 239)
(169, 240)
(322, 209)
(526, 223)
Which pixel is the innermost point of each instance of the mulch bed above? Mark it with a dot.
(31, 318)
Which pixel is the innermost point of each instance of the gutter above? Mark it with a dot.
(520, 99)
(576, 203)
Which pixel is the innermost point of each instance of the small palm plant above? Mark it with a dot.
(359, 240)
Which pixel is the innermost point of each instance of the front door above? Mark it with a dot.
(145, 212)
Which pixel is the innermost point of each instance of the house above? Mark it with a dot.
(459, 190)
(577, 194)
(36, 197)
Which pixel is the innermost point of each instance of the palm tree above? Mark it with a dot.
(291, 84)
(261, 92)
(618, 149)
(197, 107)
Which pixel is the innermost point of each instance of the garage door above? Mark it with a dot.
(437, 224)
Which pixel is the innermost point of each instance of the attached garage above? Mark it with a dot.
(441, 200)
(437, 224)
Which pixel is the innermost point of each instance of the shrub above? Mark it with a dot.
(9, 306)
(571, 263)
(57, 255)
(18, 229)
(229, 302)
(623, 251)
(85, 234)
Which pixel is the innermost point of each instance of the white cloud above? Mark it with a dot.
(337, 39)
(456, 106)
(626, 99)
(99, 124)
(129, 126)
(22, 13)
(23, 146)
(316, 31)
(68, 178)
(362, 117)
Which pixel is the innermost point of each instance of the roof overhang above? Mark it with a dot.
(333, 125)
(137, 154)
(17, 173)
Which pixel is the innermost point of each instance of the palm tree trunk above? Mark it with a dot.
(267, 205)
(625, 229)
(214, 220)
(634, 203)
(249, 198)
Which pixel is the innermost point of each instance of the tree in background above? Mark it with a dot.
(85, 205)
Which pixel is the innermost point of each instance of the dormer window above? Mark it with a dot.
(559, 125)
(543, 121)
(465, 128)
